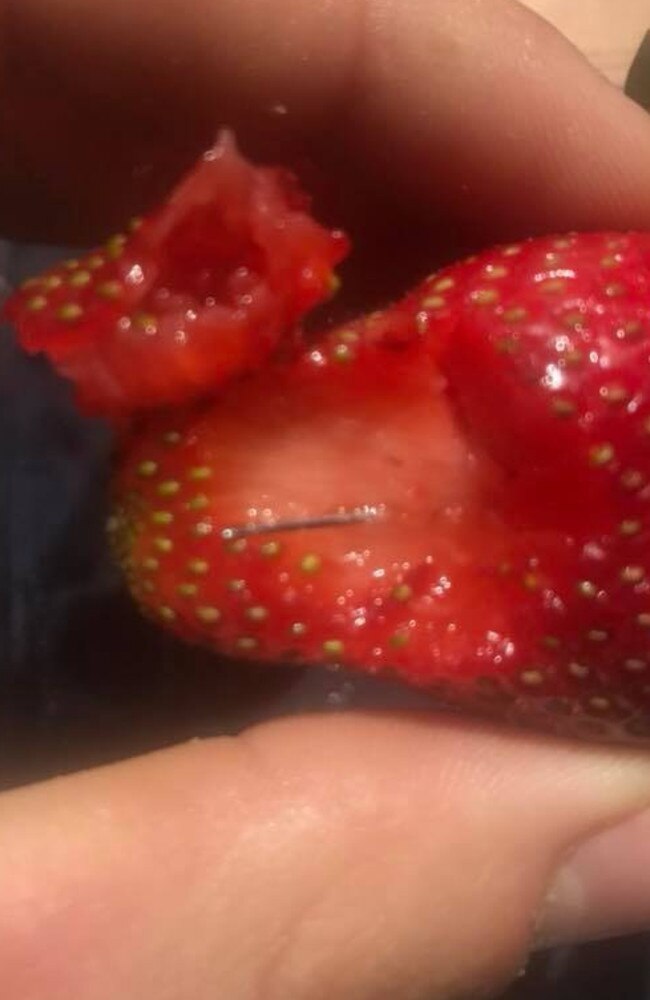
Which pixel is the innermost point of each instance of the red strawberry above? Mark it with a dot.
(455, 491)
(201, 290)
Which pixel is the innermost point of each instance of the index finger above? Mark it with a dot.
(473, 117)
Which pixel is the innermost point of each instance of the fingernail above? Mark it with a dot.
(602, 889)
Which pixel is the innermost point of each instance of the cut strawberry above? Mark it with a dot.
(198, 292)
(454, 491)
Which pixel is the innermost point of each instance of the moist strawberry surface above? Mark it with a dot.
(203, 288)
(454, 490)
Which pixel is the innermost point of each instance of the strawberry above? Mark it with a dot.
(199, 291)
(454, 491)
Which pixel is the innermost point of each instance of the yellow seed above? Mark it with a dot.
(198, 566)
(552, 286)
(172, 437)
(333, 284)
(402, 592)
(348, 336)
(578, 670)
(135, 223)
(573, 357)
(531, 581)
(601, 454)
(443, 285)
(615, 290)
(70, 265)
(246, 643)
(95, 261)
(146, 322)
(614, 394)
(162, 517)
(551, 642)
(236, 586)
(187, 589)
(199, 502)
(629, 527)
(599, 704)
(635, 666)
(79, 279)
(311, 563)
(115, 246)
(563, 244)
(484, 296)
(532, 678)
(573, 320)
(333, 647)
(506, 345)
(69, 312)
(204, 528)
(587, 589)
(434, 302)
(515, 314)
(610, 261)
(632, 479)
(150, 564)
(399, 639)
(643, 619)
(168, 488)
(147, 469)
(511, 251)
(597, 635)
(148, 587)
(563, 407)
(163, 544)
(237, 546)
(298, 628)
(51, 282)
(496, 271)
(167, 614)
(36, 303)
(270, 549)
(343, 353)
(199, 472)
(208, 614)
(109, 289)
(632, 574)
(257, 614)
(631, 329)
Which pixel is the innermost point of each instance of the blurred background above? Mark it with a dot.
(84, 680)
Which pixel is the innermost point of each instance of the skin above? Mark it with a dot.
(360, 857)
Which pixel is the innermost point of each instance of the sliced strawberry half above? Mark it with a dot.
(454, 491)
(200, 291)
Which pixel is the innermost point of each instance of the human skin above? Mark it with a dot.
(359, 857)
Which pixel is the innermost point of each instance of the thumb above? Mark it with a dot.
(360, 857)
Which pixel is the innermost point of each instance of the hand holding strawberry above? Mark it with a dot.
(344, 854)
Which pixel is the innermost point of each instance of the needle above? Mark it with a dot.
(360, 515)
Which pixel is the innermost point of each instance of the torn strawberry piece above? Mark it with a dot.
(201, 291)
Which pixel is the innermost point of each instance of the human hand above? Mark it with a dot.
(353, 857)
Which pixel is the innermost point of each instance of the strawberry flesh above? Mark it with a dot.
(200, 291)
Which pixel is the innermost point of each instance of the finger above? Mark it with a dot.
(470, 117)
(355, 857)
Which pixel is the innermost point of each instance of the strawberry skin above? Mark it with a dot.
(454, 491)
(199, 291)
